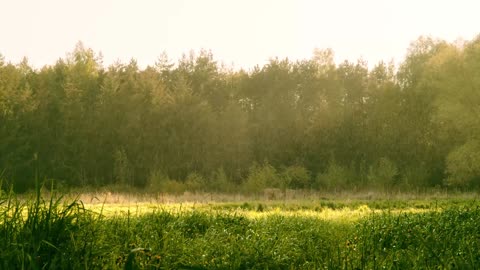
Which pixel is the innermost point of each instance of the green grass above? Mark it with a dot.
(58, 233)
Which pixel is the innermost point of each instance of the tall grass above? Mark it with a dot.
(38, 233)
(59, 233)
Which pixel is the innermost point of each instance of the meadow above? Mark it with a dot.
(114, 231)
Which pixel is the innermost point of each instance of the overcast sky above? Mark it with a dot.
(243, 32)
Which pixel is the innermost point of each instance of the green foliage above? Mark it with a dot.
(156, 179)
(81, 123)
(220, 182)
(295, 177)
(261, 177)
(44, 233)
(407, 242)
(195, 182)
(382, 173)
(463, 164)
(122, 169)
(54, 233)
(160, 182)
(414, 176)
(335, 178)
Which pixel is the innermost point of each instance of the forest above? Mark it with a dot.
(196, 124)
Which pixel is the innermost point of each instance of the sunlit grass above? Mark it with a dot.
(261, 210)
(41, 232)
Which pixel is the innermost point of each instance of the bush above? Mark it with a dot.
(295, 177)
(260, 178)
(195, 182)
(160, 182)
(414, 176)
(220, 182)
(463, 164)
(336, 177)
(172, 187)
(382, 173)
(155, 179)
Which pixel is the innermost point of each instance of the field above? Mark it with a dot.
(46, 231)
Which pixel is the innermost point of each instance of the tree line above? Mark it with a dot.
(292, 124)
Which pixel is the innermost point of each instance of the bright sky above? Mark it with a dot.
(242, 32)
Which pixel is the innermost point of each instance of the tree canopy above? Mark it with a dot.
(297, 124)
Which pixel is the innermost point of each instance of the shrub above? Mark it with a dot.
(463, 164)
(382, 173)
(195, 182)
(160, 182)
(220, 182)
(261, 177)
(336, 177)
(414, 176)
(172, 187)
(155, 179)
(295, 177)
